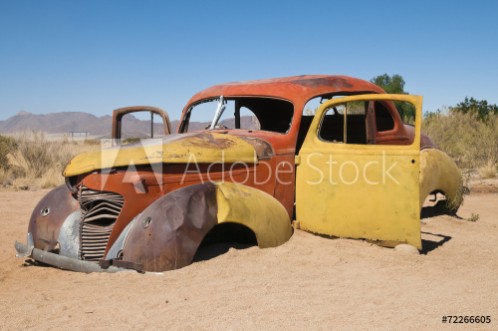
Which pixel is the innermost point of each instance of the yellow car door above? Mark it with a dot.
(350, 186)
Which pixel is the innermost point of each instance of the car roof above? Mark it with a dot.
(292, 88)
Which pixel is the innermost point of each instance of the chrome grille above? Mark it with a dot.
(100, 210)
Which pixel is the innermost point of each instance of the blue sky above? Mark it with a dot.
(95, 56)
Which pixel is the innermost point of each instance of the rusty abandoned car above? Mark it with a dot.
(331, 152)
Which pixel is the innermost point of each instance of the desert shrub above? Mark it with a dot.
(471, 141)
(36, 162)
(35, 155)
(473, 218)
(488, 170)
(479, 108)
(6, 177)
(6, 145)
(92, 142)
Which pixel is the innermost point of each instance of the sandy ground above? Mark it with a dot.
(308, 283)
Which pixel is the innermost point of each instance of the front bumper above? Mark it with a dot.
(60, 261)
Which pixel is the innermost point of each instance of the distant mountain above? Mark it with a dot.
(57, 123)
(67, 122)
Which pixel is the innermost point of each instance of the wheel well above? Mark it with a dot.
(436, 205)
(222, 237)
(230, 233)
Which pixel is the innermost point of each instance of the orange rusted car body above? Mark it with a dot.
(113, 198)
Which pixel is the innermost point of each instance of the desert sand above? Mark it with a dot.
(310, 282)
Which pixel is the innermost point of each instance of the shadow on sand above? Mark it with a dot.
(432, 241)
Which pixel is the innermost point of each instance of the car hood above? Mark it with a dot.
(202, 147)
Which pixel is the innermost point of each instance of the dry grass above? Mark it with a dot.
(30, 161)
(487, 171)
(6, 176)
(471, 142)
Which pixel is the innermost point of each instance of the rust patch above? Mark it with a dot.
(207, 140)
(264, 149)
(333, 82)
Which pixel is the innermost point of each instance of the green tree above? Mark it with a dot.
(479, 108)
(395, 84)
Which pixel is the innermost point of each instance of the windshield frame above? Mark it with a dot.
(241, 100)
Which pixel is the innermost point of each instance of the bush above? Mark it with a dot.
(6, 145)
(32, 161)
(488, 170)
(469, 140)
(479, 108)
(34, 155)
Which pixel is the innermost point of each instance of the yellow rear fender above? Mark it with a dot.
(255, 209)
(438, 173)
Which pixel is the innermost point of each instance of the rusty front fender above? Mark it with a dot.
(168, 233)
(49, 215)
